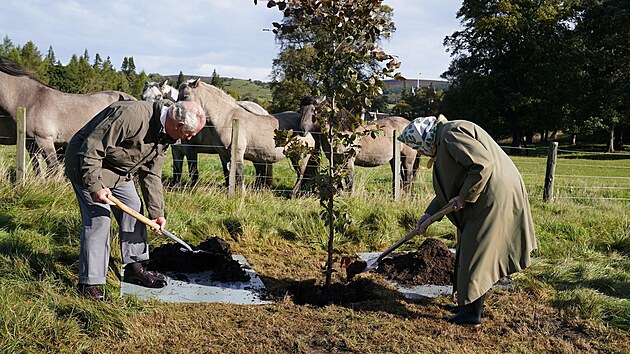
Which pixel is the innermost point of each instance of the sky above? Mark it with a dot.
(197, 37)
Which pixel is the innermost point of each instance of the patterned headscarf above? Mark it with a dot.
(420, 134)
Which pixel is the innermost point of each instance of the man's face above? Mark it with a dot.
(175, 129)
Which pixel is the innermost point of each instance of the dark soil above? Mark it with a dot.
(307, 292)
(216, 257)
(432, 263)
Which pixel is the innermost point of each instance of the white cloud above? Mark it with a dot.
(197, 36)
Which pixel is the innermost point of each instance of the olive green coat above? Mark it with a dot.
(496, 231)
(124, 139)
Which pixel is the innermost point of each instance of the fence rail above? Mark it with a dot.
(551, 179)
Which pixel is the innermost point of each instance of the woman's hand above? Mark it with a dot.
(459, 203)
(419, 227)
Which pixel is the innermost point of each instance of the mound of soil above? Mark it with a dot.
(432, 263)
(215, 257)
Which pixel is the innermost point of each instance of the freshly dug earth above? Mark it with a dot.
(216, 258)
(432, 263)
(308, 292)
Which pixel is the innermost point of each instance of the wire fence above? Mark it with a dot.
(580, 175)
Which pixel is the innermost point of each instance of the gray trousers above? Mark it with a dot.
(95, 240)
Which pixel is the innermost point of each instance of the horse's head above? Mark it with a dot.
(187, 90)
(169, 91)
(308, 107)
(151, 92)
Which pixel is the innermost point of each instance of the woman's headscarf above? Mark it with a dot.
(420, 134)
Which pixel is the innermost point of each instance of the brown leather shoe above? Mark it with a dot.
(91, 292)
(144, 278)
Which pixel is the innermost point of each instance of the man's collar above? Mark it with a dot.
(163, 116)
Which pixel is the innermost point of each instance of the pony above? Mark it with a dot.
(372, 152)
(256, 139)
(154, 91)
(53, 117)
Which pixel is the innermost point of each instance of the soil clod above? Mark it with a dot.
(216, 258)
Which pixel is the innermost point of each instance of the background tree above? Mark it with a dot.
(604, 31)
(347, 67)
(216, 80)
(180, 79)
(505, 62)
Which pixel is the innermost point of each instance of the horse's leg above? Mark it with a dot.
(50, 153)
(192, 155)
(240, 167)
(264, 175)
(300, 169)
(178, 152)
(350, 177)
(36, 157)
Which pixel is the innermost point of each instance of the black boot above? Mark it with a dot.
(452, 308)
(468, 314)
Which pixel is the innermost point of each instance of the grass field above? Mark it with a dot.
(574, 298)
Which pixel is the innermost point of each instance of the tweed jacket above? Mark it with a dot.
(125, 139)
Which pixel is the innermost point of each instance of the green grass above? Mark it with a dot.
(575, 297)
(248, 90)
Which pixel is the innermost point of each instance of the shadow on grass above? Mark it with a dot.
(40, 264)
(611, 287)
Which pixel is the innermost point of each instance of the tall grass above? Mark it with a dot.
(582, 262)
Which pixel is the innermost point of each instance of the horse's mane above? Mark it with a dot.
(222, 94)
(12, 68)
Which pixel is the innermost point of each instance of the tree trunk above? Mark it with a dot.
(573, 139)
(618, 144)
(611, 141)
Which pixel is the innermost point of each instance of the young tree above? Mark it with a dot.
(348, 67)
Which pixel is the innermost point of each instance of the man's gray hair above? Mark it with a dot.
(190, 113)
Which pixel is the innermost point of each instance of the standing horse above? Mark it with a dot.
(53, 117)
(372, 152)
(154, 91)
(256, 139)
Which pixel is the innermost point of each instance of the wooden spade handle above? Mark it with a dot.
(425, 224)
(134, 213)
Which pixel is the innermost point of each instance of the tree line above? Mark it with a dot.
(522, 67)
(81, 74)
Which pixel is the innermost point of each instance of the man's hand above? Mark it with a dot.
(160, 221)
(101, 196)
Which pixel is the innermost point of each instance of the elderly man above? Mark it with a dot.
(125, 139)
(493, 218)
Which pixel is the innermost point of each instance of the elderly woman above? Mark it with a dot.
(492, 215)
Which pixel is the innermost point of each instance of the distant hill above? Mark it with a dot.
(247, 90)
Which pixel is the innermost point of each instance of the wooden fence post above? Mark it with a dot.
(20, 167)
(551, 171)
(396, 173)
(233, 150)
